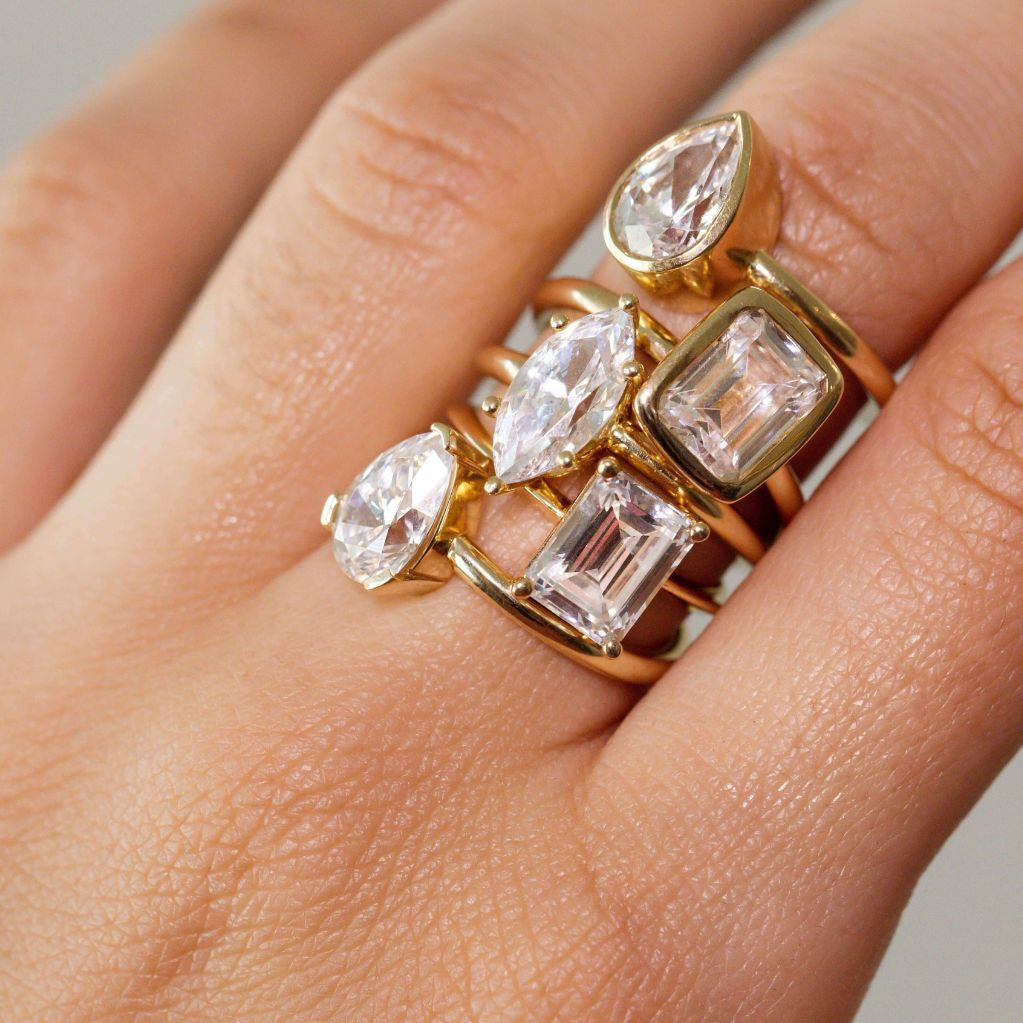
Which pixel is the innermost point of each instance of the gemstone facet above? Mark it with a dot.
(609, 556)
(674, 196)
(391, 510)
(737, 398)
(563, 395)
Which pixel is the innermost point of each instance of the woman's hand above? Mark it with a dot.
(234, 786)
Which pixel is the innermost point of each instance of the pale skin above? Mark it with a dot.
(235, 786)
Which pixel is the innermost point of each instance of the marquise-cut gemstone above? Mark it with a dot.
(392, 508)
(735, 400)
(676, 192)
(609, 556)
(563, 395)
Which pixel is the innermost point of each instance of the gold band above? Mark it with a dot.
(501, 364)
(475, 568)
(662, 452)
(555, 504)
(764, 271)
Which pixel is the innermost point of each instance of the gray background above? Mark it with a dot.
(957, 954)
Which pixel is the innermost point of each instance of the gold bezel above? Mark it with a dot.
(749, 218)
(702, 336)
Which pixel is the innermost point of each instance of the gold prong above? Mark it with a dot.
(632, 370)
(493, 486)
(700, 531)
(328, 517)
(521, 588)
(457, 444)
(628, 303)
(566, 460)
(611, 648)
(445, 433)
(558, 321)
(608, 468)
(490, 404)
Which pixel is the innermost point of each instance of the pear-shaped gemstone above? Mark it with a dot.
(392, 508)
(674, 195)
(564, 395)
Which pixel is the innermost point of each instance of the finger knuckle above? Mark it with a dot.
(431, 157)
(274, 22)
(79, 183)
(854, 230)
(971, 422)
(54, 187)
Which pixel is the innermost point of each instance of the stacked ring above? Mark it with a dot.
(666, 432)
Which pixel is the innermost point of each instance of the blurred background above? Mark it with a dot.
(958, 954)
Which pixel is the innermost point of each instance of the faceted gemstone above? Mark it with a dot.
(563, 395)
(677, 191)
(609, 556)
(391, 509)
(733, 402)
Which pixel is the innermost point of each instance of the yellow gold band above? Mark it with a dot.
(662, 432)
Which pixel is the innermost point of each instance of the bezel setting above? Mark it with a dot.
(649, 400)
(748, 218)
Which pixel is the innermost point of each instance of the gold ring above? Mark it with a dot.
(616, 434)
(664, 433)
(750, 384)
(408, 518)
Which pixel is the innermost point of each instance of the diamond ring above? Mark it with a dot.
(661, 434)
(408, 518)
(751, 383)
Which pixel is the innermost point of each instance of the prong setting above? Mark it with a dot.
(611, 648)
(386, 524)
(456, 444)
(602, 564)
(490, 404)
(328, 517)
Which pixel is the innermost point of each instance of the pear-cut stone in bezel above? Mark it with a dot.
(609, 555)
(564, 395)
(675, 202)
(390, 514)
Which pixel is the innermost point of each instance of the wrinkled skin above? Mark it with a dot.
(235, 787)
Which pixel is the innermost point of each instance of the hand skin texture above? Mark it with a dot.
(235, 787)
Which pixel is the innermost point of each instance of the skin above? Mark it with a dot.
(234, 787)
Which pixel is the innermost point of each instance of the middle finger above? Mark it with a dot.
(431, 197)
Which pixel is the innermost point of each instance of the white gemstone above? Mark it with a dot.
(609, 556)
(563, 395)
(733, 402)
(676, 192)
(392, 509)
